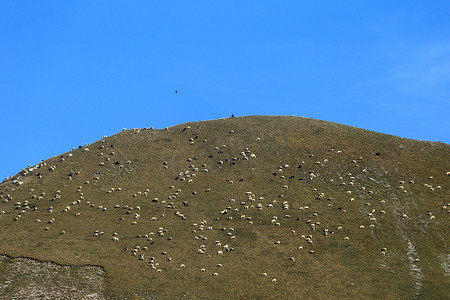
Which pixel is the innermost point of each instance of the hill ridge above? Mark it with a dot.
(296, 199)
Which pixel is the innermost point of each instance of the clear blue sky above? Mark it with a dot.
(73, 71)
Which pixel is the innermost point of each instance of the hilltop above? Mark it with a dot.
(249, 207)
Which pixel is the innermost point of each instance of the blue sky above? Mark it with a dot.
(73, 71)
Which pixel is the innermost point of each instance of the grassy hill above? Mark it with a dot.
(242, 208)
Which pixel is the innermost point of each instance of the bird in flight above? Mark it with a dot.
(176, 91)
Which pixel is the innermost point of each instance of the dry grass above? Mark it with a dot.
(339, 268)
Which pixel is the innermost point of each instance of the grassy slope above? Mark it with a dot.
(338, 268)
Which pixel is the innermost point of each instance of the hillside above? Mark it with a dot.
(250, 207)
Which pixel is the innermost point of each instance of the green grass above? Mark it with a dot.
(338, 268)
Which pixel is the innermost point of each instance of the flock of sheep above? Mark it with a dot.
(251, 208)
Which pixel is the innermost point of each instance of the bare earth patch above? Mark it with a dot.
(24, 278)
